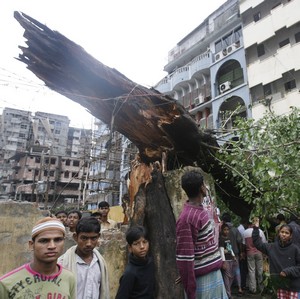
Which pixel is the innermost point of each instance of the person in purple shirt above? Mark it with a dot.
(197, 253)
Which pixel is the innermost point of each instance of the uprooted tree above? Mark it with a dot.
(165, 134)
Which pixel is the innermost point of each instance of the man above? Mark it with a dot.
(254, 259)
(106, 223)
(197, 253)
(43, 277)
(86, 262)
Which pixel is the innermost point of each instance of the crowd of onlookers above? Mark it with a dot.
(211, 257)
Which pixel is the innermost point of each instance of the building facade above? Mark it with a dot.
(271, 32)
(240, 61)
(207, 71)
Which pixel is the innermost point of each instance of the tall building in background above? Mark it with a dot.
(241, 61)
(271, 32)
(207, 71)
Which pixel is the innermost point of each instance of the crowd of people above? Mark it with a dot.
(238, 255)
(211, 257)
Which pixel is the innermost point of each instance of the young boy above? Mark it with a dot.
(138, 278)
(86, 262)
(62, 216)
(43, 277)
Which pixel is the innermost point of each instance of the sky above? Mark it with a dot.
(132, 36)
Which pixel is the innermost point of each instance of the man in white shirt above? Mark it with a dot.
(86, 262)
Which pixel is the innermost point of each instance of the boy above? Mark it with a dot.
(62, 216)
(138, 278)
(106, 223)
(86, 262)
(43, 277)
(197, 253)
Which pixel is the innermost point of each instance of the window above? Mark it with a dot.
(260, 50)
(267, 89)
(68, 162)
(297, 37)
(37, 159)
(57, 131)
(75, 163)
(23, 126)
(66, 175)
(21, 135)
(53, 161)
(218, 46)
(256, 17)
(51, 173)
(284, 42)
(290, 85)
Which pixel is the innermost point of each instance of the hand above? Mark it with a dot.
(282, 274)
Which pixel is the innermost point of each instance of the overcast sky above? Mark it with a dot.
(133, 36)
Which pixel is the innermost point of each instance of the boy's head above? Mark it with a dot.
(73, 217)
(97, 215)
(88, 225)
(103, 208)
(45, 232)
(138, 242)
(87, 235)
(62, 216)
(193, 184)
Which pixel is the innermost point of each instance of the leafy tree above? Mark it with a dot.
(264, 162)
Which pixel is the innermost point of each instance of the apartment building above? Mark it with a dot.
(207, 71)
(110, 164)
(43, 158)
(271, 32)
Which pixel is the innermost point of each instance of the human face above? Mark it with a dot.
(62, 217)
(225, 231)
(104, 211)
(86, 242)
(285, 235)
(47, 246)
(139, 248)
(73, 218)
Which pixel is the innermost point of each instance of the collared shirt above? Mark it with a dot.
(110, 224)
(88, 278)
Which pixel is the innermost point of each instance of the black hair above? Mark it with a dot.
(88, 225)
(75, 212)
(136, 232)
(61, 212)
(191, 183)
(226, 217)
(280, 217)
(103, 204)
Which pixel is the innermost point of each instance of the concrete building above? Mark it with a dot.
(271, 32)
(207, 71)
(110, 164)
(43, 159)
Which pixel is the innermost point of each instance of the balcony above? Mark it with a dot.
(281, 16)
(181, 74)
(200, 63)
(259, 71)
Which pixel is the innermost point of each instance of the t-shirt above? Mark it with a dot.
(226, 244)
(23, 283)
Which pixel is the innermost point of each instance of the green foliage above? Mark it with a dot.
(265, 162)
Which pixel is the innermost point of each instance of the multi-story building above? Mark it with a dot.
(51, 130)
(15, 131)
(271, 32)
(207, 71)
(43, 158)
